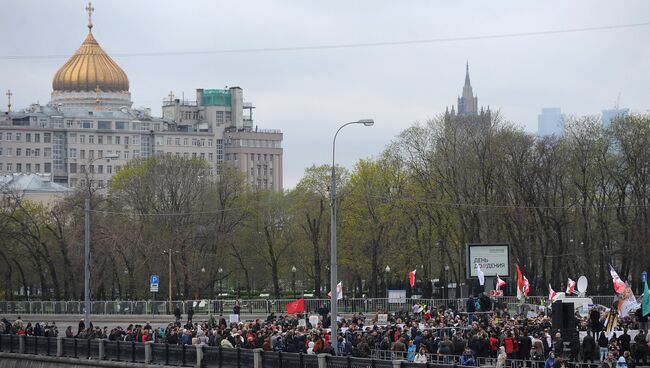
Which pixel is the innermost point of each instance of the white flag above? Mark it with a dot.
(339, 291)
(480, 274)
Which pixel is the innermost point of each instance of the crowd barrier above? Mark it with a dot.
(183, 355)
(247, 306)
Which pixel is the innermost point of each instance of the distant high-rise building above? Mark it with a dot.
(610, 114)
(468, 104)
(550, 122)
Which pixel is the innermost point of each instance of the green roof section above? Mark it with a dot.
(216, 97)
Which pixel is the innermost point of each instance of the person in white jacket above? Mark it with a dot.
(421, 356)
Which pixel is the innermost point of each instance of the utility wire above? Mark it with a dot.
(347, 45)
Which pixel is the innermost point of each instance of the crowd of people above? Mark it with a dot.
(475, 334)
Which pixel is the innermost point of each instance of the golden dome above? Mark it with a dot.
(89, 69)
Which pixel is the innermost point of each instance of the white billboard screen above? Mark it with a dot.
(493, 258)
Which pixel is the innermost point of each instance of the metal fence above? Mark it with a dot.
(247, 306)
(184, 355)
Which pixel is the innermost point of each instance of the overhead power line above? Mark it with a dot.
(346, 45)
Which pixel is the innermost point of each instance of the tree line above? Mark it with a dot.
(568, 205)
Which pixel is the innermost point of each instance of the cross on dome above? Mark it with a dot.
(90, 11)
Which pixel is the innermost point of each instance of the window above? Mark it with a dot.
(169, 141)
(117, 139)
(100, 169)
(126, 155)
(48, 168)
(72, 138)
(228, 114)
(118, 153)
(37, 138)
(9, 151)
(82, 168)
(126, 140)
(135, 126)
(69, 123)
(73, 153)
(104, 125)
(28, 152)
(37, 152)
(178, 141)
(109, 169)
(9, 167)
(209, 142)
(18, 137)
(9, 136)
(136, 153)
(136, 139)
(82, 154)
(185, 141)
(82, 139)
(193, 154)
(0, 151)
(0, 136)
(202, 156)
(37, 168)
(100, 153)
(210, 157)
(47, 137)
(156, 127)
(47, 152)
(100, 139)
(19, 151)
(121, 125)
(109, 139)
(86, 124)
(91, 154)
(91, 139)
(19, 168)
(28, 137)
(220, 118)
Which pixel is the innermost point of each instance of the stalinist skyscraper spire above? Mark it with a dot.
(467, 103)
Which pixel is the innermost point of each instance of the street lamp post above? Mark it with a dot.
(169, 253)
(387, 269)
(220, 271)
(293, 280)
(201, 282)
(87, 240)
(333, 265)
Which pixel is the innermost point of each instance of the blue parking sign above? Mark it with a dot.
(155, 279)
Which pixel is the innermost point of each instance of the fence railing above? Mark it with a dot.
(181, 355)
(247, 306)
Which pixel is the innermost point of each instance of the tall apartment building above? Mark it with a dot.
(90, 118)
(550, 122)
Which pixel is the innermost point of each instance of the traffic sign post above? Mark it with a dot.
(154, 281)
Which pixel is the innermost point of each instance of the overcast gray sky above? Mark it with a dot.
(308, 94)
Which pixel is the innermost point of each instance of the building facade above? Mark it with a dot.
(89, 131)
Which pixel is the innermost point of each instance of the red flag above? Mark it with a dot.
(551, 294)
(412, 278)
(619, 285)
(500, 283)
(520, 283)
(570, 286)
(526, 287)
(296, 306)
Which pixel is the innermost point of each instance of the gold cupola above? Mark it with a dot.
(90, 68)
(90, 77)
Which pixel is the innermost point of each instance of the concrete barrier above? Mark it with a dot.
(9, 360)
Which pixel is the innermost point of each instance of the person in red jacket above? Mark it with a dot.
(494, 345)
(509, 343)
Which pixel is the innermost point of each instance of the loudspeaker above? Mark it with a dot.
(568, 316)
(557, 320)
